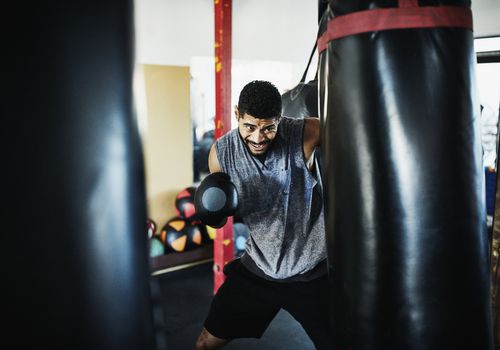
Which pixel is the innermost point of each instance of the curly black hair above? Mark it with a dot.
(261, 99)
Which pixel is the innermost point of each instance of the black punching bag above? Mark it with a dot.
(407, 240)
(75, 252)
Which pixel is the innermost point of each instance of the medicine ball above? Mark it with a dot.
(174, 235)
(156, 247)
(151, 228)
(211, 232)
(197, 235)
(240, 233)
(184, 203)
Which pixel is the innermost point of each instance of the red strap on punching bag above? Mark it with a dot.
(407, 15)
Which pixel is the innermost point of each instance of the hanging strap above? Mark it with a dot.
(303, 79)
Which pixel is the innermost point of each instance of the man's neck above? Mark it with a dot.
(261, 157)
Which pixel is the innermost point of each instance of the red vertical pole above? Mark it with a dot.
(223, 243)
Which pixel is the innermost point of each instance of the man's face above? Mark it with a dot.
(257, 133)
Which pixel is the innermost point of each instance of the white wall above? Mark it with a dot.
(486, 17)
(170, 32)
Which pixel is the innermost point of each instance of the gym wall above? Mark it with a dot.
(167, 138)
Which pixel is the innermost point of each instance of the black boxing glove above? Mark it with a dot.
(215, 199)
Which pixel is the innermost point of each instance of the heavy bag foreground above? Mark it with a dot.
(78, 270)
(407, 240)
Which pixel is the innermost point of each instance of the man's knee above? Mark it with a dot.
(207, 341)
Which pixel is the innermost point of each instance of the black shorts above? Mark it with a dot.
(245, 305)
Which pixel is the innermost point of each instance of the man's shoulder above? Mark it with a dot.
(227, 143)
(291, 127)
(292, 121)
(230, 135)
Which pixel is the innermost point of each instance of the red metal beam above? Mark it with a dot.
(223, 242)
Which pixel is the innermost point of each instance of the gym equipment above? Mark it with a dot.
(495, 265)
(302, 100)
(184, 203)
(174, 235)
(240, 237)
(211, 232)
(151, 228)
(197, 235)
(215, 199)
(201, 150)
(82, 280)
(223, 244)
(490, 183)
(156, 247)
(408, 249)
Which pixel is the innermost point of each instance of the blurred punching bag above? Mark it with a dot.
(78, 268)
(407, 240)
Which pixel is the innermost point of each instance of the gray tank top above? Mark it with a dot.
(280, 201)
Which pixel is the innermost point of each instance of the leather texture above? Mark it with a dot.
(406, 220)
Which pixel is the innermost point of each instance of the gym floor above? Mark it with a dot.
(185, 295)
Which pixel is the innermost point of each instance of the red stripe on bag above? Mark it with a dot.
(408, 3)
(395, 18)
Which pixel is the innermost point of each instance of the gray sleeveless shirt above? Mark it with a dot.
(280, 201)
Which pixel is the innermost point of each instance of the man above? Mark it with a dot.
(271, 161)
